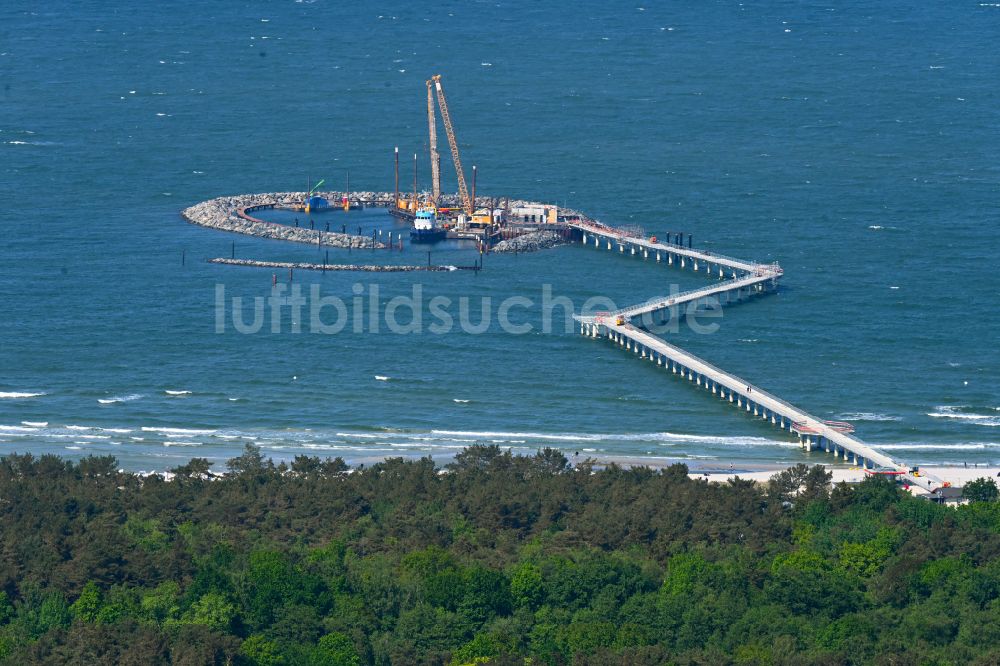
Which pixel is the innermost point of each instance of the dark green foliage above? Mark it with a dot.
(981, 490)
(501, 559)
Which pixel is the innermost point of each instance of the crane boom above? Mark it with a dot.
(435, 158)
(463, 191)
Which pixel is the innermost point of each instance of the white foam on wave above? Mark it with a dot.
(73, 448)
(867, 416)
(459, 400)
(19, 395)
(969, 417)
(521, 435)
(178, 431)
(16, 430)
(969, 446)
(953, 412)
(120, 398)
(35, 424)
(181, 443)
(381, 378)
(415, 445)
(78, 427)
(333, 447)
(663, 438)
(172, 392)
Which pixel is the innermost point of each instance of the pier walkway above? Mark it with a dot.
(739, 279)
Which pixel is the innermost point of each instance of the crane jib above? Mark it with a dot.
(449, 129)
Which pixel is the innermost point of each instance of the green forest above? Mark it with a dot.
(491, 559)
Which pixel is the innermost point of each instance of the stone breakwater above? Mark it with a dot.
(531, 242)
(234, 214)
(231, 214)
(365, 268)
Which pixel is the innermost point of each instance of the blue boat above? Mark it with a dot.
(426, 228)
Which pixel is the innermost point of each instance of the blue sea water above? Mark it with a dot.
(856, 144)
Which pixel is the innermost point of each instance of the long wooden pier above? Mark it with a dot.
(737, 279)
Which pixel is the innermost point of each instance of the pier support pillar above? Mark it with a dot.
(670, 259)
(657, 257)
(682, 262)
